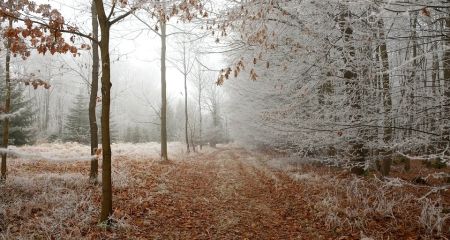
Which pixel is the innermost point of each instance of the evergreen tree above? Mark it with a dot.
(20, 131)
(77, 124)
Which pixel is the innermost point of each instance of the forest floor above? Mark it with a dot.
(222, 193)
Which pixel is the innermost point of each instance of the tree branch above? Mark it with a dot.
(46, 25)
(123, 16)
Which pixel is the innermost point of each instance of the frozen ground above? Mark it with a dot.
(219, 193)
(76, 152)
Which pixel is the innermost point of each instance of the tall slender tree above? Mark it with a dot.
(387, 100)
(163, 11)
(446, 67)
(93, 95)
(105, 22)
(184, 65)
(7, 106)
(186, 71)
(200, 86)
(163, 36)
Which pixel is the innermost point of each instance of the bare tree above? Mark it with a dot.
(387, 100)
(163, 36)
(214, 97)
(187, 63)
(446, 66)
(93, 95)
(105, 22)
(163, 12)
(199, 83)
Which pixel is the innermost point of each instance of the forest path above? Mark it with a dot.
(225, 194)
(220, 193)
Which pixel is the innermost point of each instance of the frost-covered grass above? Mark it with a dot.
(147, 150)
(47, 194)
(60, 152)
(432, 217)
(375, 208)
(52, 199)
(42, 206)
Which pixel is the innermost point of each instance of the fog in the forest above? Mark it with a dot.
(135, 77)
(224, 119)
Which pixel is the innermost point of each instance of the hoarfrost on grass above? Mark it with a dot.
(70, 151)
(60, 206)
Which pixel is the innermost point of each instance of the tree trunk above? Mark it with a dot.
(387, 100)
(185, 98)
(193, 140)
(186, 113)
(93, 98)
(7, 108)
(164, 155)
(352, 90)
(106, 210)
(435, 82)
(446, 66)
(46, 109)
(412, 78)
(60, 117)
(200, 112)
(215, 116)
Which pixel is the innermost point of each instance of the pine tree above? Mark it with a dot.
(20, 131)
(77, 124)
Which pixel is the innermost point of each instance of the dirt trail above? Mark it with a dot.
(226, 194)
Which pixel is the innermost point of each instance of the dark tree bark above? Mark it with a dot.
(387, 100)
(435, 78)
(7, 107)
(446, 66)
(93, 97)
(412, 78)
(352, 90)
(105, 25)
